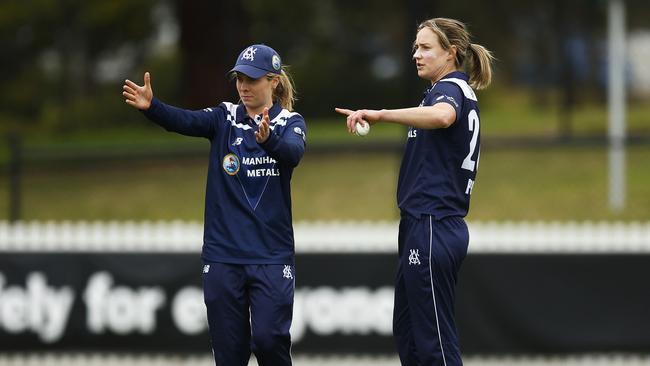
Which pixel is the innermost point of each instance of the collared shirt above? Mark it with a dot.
(439, 166)
(247, 217)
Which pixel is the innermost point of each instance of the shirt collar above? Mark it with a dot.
(242, 116)
(456, 75)
(453, 74)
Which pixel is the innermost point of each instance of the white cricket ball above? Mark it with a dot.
(362, 128)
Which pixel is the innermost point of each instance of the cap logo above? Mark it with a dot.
(249, 54)
(276, 62)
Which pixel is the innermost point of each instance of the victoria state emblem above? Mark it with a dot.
(230, 164)
(275, 61)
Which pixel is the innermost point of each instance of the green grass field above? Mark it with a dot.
(559, 184)
(544, 184)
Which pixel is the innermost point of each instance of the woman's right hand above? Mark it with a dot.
(138, 96)
(362, 116)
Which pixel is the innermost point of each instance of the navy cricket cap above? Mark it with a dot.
(257, 61)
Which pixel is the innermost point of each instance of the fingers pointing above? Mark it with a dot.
(147, 80)
(344, 111)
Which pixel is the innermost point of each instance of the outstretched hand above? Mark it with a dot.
(361, 116)
(263, 132)
(138, 96)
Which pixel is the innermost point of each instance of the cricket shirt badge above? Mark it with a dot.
(230, 164)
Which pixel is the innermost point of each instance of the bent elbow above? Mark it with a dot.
(296, 156)
(291, 157)
(294, 160)
(447, 120)
(441, 118)
(446, 124)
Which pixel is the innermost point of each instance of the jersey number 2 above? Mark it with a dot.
(474, 125)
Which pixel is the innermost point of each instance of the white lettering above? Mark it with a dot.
(359, 310)
(13, 309)
(258, 160)
(470, 186)
(474, 126)
(121, 310)
(263, 172)
(188, 311)
(412, 133)
(39, 308)
(322, 310)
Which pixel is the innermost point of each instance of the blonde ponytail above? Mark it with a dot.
(284, 93)
(480, 73)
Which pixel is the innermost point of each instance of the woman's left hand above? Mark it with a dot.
(263, 132)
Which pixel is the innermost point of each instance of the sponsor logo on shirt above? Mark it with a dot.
(451, 99)
(413, 133)
(230, 164)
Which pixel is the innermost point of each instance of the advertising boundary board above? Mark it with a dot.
(152, 302)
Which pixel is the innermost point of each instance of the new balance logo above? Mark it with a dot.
(286, 272)
(414, 257)
(238, 141)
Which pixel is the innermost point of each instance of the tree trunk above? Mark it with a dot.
(212, 35)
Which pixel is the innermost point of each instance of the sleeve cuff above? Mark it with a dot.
(152, 108)
(271, 143)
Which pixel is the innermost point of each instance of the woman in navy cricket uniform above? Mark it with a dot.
(435, 182)
(248, 248)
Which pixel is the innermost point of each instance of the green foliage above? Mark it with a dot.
(49, 78)
(331, 47)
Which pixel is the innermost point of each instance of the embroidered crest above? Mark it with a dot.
(249, 54)
(286, 272)
(231, 164)
(275, 61)
(414, 257)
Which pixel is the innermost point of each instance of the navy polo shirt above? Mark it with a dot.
(439, 166)
(247, 217)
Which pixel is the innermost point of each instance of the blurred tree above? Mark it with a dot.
(341, 52)
(63, 61)
(51, 53)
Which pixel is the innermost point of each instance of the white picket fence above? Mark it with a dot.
(324, 237)
(167, 360)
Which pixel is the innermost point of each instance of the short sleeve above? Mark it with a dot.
(445, 92)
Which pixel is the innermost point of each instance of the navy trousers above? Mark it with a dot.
(249, 309)
(430, 254)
